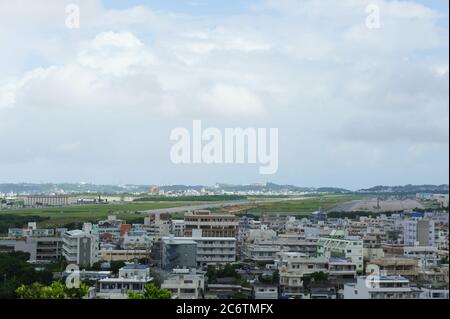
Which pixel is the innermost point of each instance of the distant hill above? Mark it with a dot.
(77, 188)
(72, 188)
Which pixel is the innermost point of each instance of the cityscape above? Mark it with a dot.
(203, 158)
(217, 244)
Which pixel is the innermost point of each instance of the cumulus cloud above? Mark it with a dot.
(311, 67)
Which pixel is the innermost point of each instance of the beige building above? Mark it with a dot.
(211, 225)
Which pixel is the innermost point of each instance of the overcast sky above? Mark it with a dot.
(355, 107)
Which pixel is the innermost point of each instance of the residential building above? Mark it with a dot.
(419, 233)
(81, 246)
(339, 245)
(382, 287)
(178, 227)
(178, 252)
(211, 225)
(185, 284)
(265, 291)
(293, 267)
(132, 278)
(46, 200)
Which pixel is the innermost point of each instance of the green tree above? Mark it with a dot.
(319, 276)
(56, 290)
(151, 292)
(16, 271)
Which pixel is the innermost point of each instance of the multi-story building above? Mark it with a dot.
(338, 245)
(211, 225)
(132, 278)
(46, 200)
(111, 226)
(293, 267)
(177, 228)
(185, 284)
(419, 233)
(122, 254)
(341, 269)
(178, 252)
(382, 287)
(265, 291)
(43, 245)
(81, 246)
(427, 256)
(158, 225)
(136, 240)
(397, 266)
(208, 250)
(215, 250)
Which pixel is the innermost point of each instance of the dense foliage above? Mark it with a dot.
(56, 290)
(16, 271)
(151, 292)
(15, 221)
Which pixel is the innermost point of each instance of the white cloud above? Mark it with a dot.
(310, 66)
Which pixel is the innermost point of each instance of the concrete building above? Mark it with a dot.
(178, 227)
(132, 278)
(81, 246)
(341, 269)
(397, 266)
(263, 291)
(293, 267)
(185, 284)
(419, 233)
(122, 254)
(384, 287)
(211, 225)
(46, 200)
(178, 252)
(136, 240)
(215, 250)
(158, 225)
(338, 245)
(43, 245)
(427, 256)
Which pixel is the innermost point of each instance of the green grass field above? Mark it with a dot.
(62, 216)
(80, 213)
(301, 207)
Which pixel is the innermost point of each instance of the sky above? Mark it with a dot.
(354, 106)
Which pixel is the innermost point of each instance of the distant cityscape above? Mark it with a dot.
(385, 243)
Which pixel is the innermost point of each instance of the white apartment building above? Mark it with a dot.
(184, 284)
(136, 240)
(46, 200)
(134, 270)
(262, 291)
(157, 227)
(262, 251)
(132, 277)
(210, 250)
(418, 233)
(293, 267)
(177, 228)
(81, 246)
(215, 250)
(427, 256)
(384, 287)
(337, 245)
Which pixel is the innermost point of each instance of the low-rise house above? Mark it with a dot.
(381, 287)
(185, 284)
(132, 278)
(265, 291)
